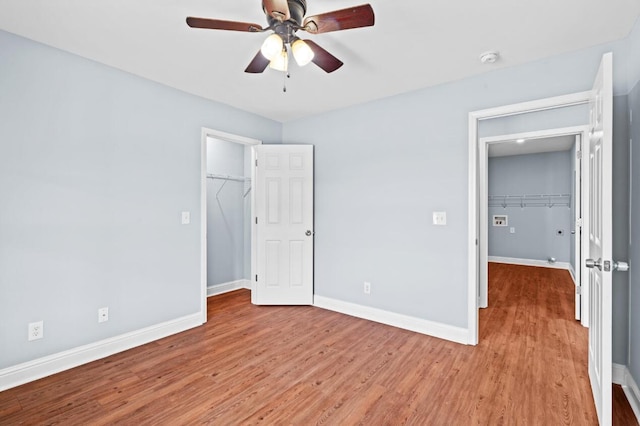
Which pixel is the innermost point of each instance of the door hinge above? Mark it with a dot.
(579, 155)
(256, 220)
(578, 290)
(256, 162)
(579, 222)
(256, 277)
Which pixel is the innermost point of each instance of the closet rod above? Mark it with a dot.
(228, 177)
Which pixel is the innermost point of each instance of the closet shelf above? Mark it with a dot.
(530, 200)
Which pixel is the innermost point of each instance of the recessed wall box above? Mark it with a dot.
(500, 220)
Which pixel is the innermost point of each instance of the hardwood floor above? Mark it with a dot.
(305, 365)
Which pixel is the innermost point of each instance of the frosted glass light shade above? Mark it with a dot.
(280, 62)
(302, 53)
(272, 47)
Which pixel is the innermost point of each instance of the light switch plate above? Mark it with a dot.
(439, 218)
(186, 218)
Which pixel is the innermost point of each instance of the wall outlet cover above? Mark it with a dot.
(103, 314)
(35, 330)
(439, 218)
(186, 218)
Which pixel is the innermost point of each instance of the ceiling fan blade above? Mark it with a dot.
(324, 59)
(217, 24)
(258, 64)
(277, 9)
(353, 17)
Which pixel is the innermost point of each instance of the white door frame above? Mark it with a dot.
(229, 137)
(483, 168)
(473, 258)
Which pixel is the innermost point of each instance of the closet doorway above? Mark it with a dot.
(226, 210)
(540, 224)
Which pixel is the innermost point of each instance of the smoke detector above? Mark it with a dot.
(489, 57)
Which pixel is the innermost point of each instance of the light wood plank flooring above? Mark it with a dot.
(304, 365)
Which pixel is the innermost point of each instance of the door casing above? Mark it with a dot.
(473, 258)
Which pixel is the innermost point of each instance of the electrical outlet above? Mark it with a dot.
(103, 314)
(439, 218)
(36, 330)
(367, 287)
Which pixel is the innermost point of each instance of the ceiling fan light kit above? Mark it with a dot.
(302, 53)
(285, 17)
(280, 62)
(272, 47)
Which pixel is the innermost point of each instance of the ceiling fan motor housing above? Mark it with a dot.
(297, 10)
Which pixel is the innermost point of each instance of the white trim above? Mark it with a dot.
(203, 225)
(618, 372)
(472, 239)
(217, 289)
(418, 325)
(473, 206)
(622, 376)
(573, 276)
(229, 137)
(562, 101)
(51, 364)
(531, 262)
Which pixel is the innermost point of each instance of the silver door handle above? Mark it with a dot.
(308, 233)
(617, 266)
(620, 266)
(590, 263)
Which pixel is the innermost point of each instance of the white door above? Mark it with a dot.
(284, 225)
(600, 262)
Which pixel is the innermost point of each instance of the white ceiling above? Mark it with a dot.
(532, 146)
(414, 44)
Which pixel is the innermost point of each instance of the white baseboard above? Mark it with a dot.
(531, 262)
(622, 376)
(573, 274)
(618, 372)
(430, 328)
(217, 289)
(46, 366)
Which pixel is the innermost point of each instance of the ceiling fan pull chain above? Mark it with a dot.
(284, 81)
(286, 74)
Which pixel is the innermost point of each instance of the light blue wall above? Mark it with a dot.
(620, 290)
(634, 249)
(95, 167)
(383, 167)
(535, 236)
(225, 213)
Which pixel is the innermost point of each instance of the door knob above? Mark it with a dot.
(617, 266)
(620, 266)
(590, 263)
(308, 233)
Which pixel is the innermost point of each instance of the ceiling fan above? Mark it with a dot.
(285, 17)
